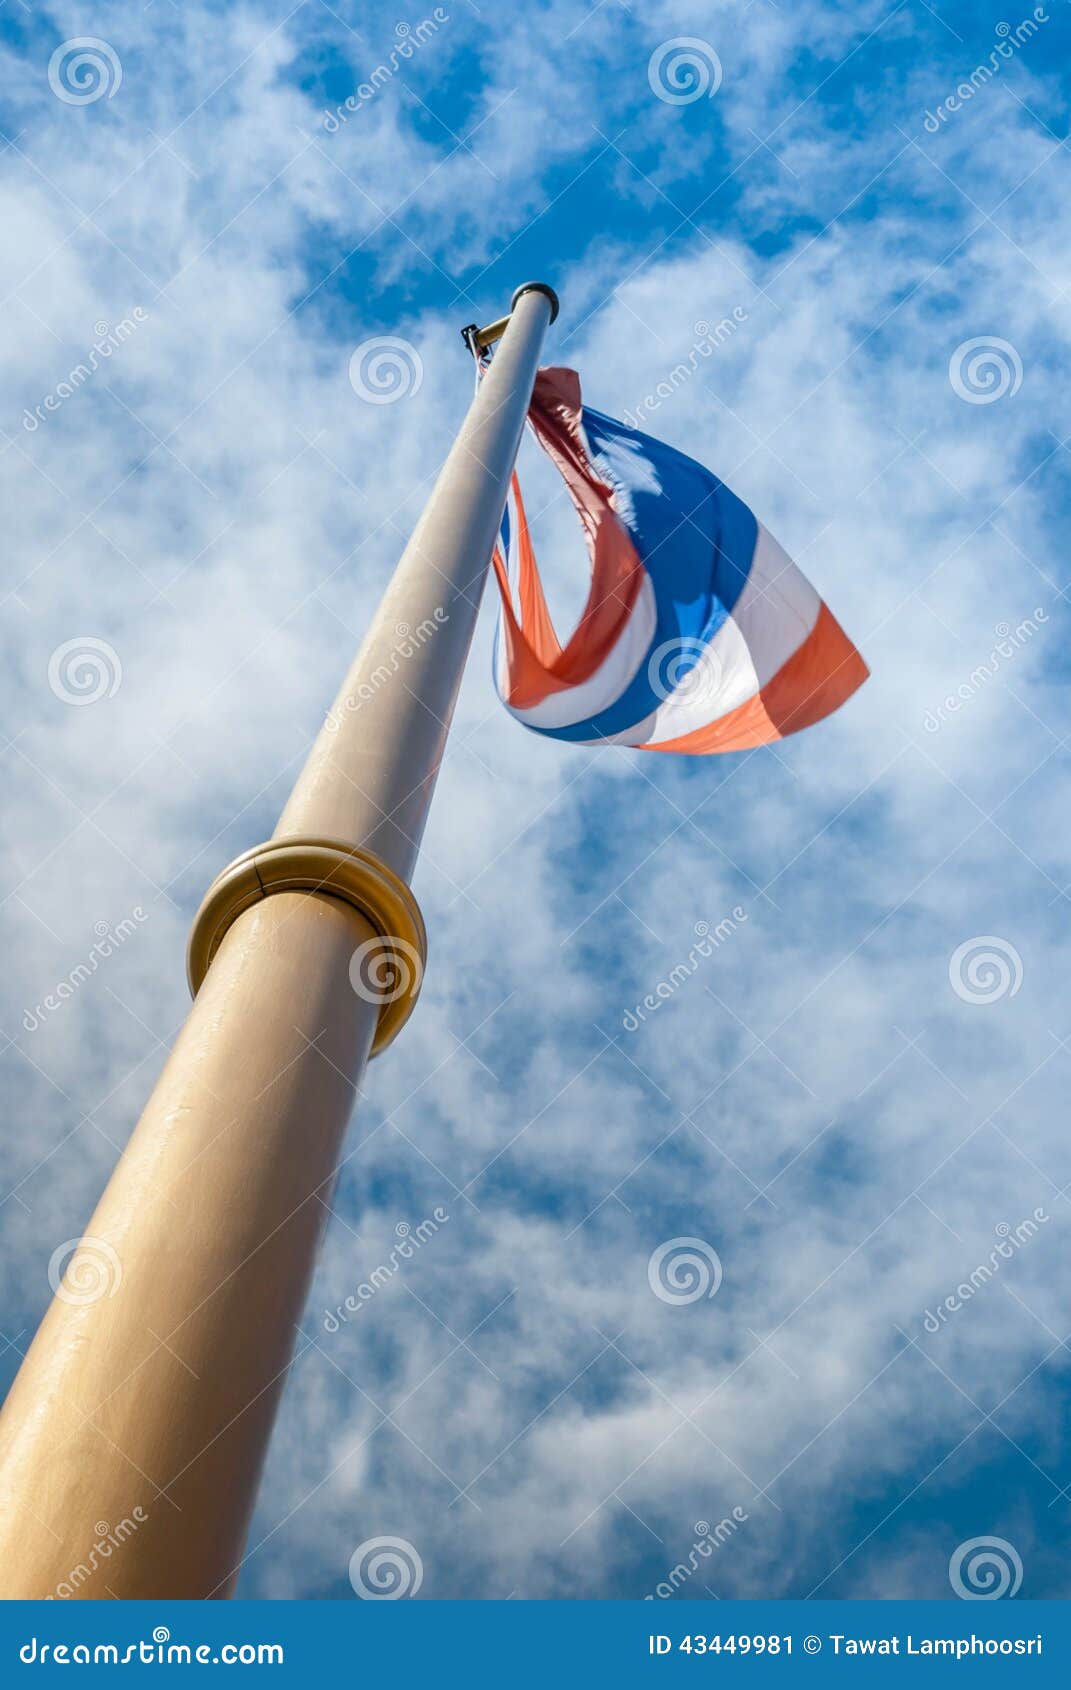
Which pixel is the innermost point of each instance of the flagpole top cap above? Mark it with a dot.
(537, 287)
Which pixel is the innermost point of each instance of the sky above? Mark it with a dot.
(852, 1113)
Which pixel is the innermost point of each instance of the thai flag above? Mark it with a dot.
(699, 633)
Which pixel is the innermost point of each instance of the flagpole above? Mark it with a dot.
(133, 1437)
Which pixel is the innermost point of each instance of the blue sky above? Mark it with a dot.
(832, 1102)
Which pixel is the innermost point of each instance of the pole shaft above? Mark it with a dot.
(370, 774)
(132, 1439)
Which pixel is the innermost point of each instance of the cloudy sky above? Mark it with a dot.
(858, 1101)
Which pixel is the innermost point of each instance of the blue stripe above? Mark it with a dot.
(696, 540)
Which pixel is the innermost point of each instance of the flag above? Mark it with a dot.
(699, 633)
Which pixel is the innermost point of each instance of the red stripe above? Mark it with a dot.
(535, 669)
(535, 623)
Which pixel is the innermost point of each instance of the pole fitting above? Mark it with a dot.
(537, 287)
(391, 977)
(478, 340)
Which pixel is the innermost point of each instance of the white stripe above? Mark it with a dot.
(774, 614)
(777, 609)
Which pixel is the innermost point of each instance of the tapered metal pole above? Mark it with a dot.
(132, 1439)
